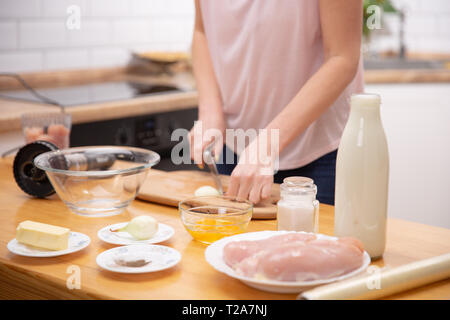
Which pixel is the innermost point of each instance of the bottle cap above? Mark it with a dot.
(372, 100)
(30, 178)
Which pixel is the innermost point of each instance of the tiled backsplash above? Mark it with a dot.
(34, 35)
(426, 27)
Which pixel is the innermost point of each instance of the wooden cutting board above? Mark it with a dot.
(171, 187)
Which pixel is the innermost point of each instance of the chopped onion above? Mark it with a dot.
(141, 227)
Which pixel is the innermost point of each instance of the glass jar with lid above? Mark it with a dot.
(298, 209)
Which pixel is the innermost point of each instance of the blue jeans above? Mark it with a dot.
(322, 171)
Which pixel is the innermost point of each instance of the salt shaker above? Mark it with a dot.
(298, 209)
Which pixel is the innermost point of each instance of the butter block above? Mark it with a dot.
(42, 235)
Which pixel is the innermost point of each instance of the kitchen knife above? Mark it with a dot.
(208, 158)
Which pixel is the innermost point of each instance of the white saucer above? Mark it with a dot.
(164, 233)
(161, 258)
(77, 242)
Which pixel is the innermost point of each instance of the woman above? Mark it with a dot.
(288, 66)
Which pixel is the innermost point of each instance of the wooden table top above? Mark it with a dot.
(34, 278)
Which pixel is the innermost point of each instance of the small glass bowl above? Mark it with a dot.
(97, 181)
(211, 218)
(53, 127)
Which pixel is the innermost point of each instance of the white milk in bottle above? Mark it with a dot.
(362, 176)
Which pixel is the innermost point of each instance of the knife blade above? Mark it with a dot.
(208, 157)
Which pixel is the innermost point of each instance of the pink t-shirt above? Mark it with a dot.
(263, 52)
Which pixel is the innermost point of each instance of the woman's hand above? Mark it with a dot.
(208, 129)
(252, 178)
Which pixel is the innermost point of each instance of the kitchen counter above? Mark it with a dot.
(407, 76)
(192, 278)
(11, 110)
(11, 135)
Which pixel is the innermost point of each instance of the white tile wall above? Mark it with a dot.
(129, 31)
(36, 30)
(34, 35)
(66, 59)
(20, 8)
(110, 8)
(427, 27)
(8, 32)
(21, 61)
(42, 34)
(108, 57)
(58, 8)
(92, 33)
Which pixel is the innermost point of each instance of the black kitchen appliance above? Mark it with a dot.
(148, 131)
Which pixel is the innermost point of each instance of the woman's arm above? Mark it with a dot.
(209, 98)
(341, 22)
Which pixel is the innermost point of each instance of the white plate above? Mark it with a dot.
(214, 256)
(77, 242)
(164, 233)
(161, 258)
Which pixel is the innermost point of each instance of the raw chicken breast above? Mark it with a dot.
(234, 252)
(304, 261)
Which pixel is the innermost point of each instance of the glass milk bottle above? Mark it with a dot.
(362, 174)
(298, 209)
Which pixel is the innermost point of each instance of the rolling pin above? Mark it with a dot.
(384, 282)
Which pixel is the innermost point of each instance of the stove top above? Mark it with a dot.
(92, 93)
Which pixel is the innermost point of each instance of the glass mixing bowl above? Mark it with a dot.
(210, 218)
(97, 181)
